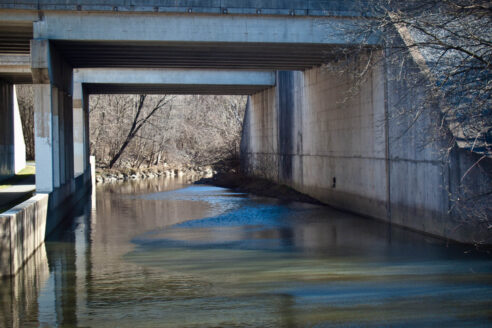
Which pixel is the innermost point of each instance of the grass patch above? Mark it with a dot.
(25, 173)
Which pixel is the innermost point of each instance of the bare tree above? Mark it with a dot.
(139, 120)
(25, 98)
(450, 42)
(440, 53)
(188, 129)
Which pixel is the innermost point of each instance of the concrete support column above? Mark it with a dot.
(80, 129)
(19, 142)
(52, 78)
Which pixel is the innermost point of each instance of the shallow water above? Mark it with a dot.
(160, 253)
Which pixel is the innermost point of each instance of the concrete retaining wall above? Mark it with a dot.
(357, 153)
(23, 228)
(22, 231)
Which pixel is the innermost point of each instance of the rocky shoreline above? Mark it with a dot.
(125, 174)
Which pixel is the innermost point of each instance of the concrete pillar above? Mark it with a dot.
(80, 129)
(19, 142)
(52, 78)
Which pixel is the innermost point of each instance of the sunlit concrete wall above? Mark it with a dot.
(355, 151)
(435, 186)
(19, 142)
(22, 231)
(304, 134)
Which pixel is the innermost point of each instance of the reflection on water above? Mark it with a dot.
(162, 254)
(18, 295)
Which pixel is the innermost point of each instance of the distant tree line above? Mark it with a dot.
(25, 99)
(146, 130)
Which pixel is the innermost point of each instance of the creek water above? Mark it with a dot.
(161, 253)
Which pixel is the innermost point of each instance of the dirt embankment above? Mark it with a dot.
(237, 181)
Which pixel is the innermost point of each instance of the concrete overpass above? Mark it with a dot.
(298, 129)
(157, 81)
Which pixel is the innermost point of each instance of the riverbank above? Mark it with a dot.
(194, 172)
(225, 174)
(235, 180)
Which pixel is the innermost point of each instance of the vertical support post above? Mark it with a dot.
(52, 78)
(79, 130)
(62, 138)
(69, 171)
(43, 131)
(87, 152)
(56, 136)
(19, 143)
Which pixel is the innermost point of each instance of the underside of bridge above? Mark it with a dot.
(299, 129)
(212, 89)
(198, 55)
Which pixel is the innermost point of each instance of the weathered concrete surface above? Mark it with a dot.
(52, 116)
(198, 28)
(169, 81)
(186, 38)
(173, 76)
(80, 128)
(159, 40)
(308, 137)
(22, 231)
(54, 132)
(357, 154)
(16, 68)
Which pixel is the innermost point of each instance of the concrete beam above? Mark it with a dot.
(190, 81)
(173, 76)
(15, 61)
(15, 68)
(158, 27)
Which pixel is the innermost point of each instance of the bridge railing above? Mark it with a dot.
(248, 7)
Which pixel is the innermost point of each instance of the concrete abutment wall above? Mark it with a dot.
(358, 153)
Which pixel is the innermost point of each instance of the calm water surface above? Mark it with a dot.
(164, 254)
